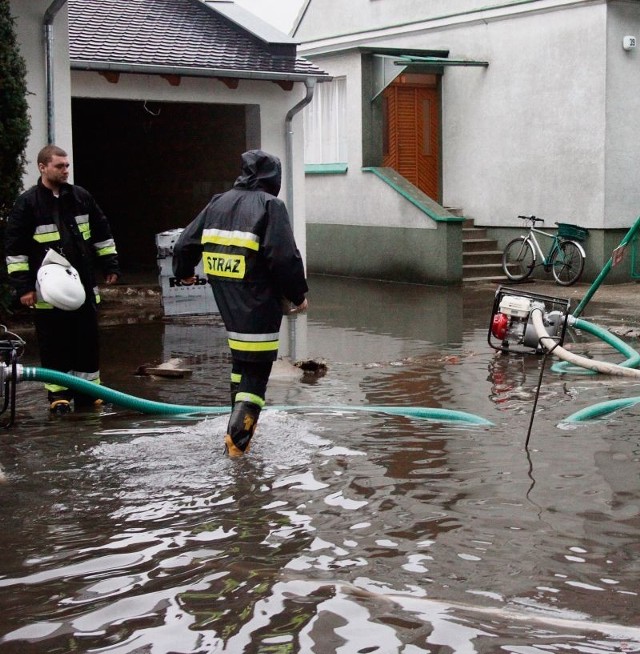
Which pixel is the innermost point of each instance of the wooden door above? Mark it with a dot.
(412, 138)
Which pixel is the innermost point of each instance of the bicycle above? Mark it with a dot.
(565, 258)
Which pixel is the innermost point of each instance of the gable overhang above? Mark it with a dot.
(388, 66)
(272, 38)
(183, 71)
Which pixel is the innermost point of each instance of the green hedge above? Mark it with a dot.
(15, 127)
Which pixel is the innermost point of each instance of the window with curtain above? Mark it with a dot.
(325, 118)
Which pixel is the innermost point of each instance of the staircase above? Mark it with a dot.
(481, 258)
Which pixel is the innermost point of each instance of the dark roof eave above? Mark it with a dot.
(186, 71)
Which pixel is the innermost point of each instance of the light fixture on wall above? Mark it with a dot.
(628, 42)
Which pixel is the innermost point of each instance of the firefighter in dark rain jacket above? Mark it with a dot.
(246, 243)
(56, 215)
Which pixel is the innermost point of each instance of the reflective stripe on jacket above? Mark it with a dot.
(246, 243)
(72, 224)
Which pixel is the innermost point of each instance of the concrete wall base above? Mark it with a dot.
(419, 256)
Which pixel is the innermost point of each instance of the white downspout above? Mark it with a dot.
(49, 17)
(310, 83)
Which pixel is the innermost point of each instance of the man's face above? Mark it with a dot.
(56, 172)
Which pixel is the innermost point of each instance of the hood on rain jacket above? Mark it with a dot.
(248, 251)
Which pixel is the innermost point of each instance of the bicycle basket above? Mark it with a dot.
(565, 230)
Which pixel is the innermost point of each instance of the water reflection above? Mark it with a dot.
(342, 531)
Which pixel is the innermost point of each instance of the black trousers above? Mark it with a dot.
(251, 378)
(68, 342)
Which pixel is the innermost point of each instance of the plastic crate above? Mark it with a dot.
(178, 300)
(565, 230)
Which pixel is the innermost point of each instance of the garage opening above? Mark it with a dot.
(152, 166)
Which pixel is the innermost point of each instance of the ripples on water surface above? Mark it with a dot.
(342, 531)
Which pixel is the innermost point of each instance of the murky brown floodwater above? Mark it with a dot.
(342, 531)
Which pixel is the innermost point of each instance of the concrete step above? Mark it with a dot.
(492, 278)
(473, 233)
(482, 270)
(481, 259)
(482, 256)
(478, 245)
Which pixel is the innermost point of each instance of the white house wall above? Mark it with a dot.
(28, 15)
(528, 133)
(622, 199)
(357, 19)
(274, 105)
(357, 198)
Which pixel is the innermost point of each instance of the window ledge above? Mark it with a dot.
(326, 169)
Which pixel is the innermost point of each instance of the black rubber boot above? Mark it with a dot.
(242, 425)
(59, 402)
(233, 388)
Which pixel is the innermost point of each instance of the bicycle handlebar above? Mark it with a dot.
(533, 219)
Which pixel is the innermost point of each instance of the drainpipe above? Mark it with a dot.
(49, 17)
(310, 83)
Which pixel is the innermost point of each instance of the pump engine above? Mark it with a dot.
(511, 328)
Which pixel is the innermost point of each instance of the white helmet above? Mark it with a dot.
(58, 283)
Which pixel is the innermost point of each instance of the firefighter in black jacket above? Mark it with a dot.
(246, 243)
(56, 215)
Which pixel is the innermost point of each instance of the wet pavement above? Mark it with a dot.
(343, 530)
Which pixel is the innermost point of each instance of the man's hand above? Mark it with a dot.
(111, 278)
(189, 281)
(301, 308)
(28, 299)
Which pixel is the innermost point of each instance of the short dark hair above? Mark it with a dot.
(49, 152)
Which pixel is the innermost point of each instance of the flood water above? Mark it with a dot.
(343, 531)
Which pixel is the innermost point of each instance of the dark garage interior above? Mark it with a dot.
(152, 166)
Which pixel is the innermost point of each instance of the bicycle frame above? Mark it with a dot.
(564, 257)
(531, 236)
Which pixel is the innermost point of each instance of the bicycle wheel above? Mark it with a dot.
(518, 259)
(567, 263)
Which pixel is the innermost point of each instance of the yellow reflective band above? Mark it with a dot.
(46, 238)
(236, 377)
(104, 251)
(43, 305)
(238, 239)
(54, 388)
(254, 346)
(224, 265)
(250, 397)
(17, 267)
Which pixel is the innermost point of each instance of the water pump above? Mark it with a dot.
(511, 328)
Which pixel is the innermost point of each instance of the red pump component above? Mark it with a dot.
(499, 325)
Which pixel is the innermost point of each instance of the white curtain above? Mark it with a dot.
(325, 135)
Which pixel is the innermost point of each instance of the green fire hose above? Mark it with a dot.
(32, 373)
(601, 409)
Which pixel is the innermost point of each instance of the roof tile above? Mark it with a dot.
(172, 33)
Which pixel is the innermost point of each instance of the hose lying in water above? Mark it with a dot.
(31, 373)
(633, 357)
(584, 362)
(596, 410)
(601, 409)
